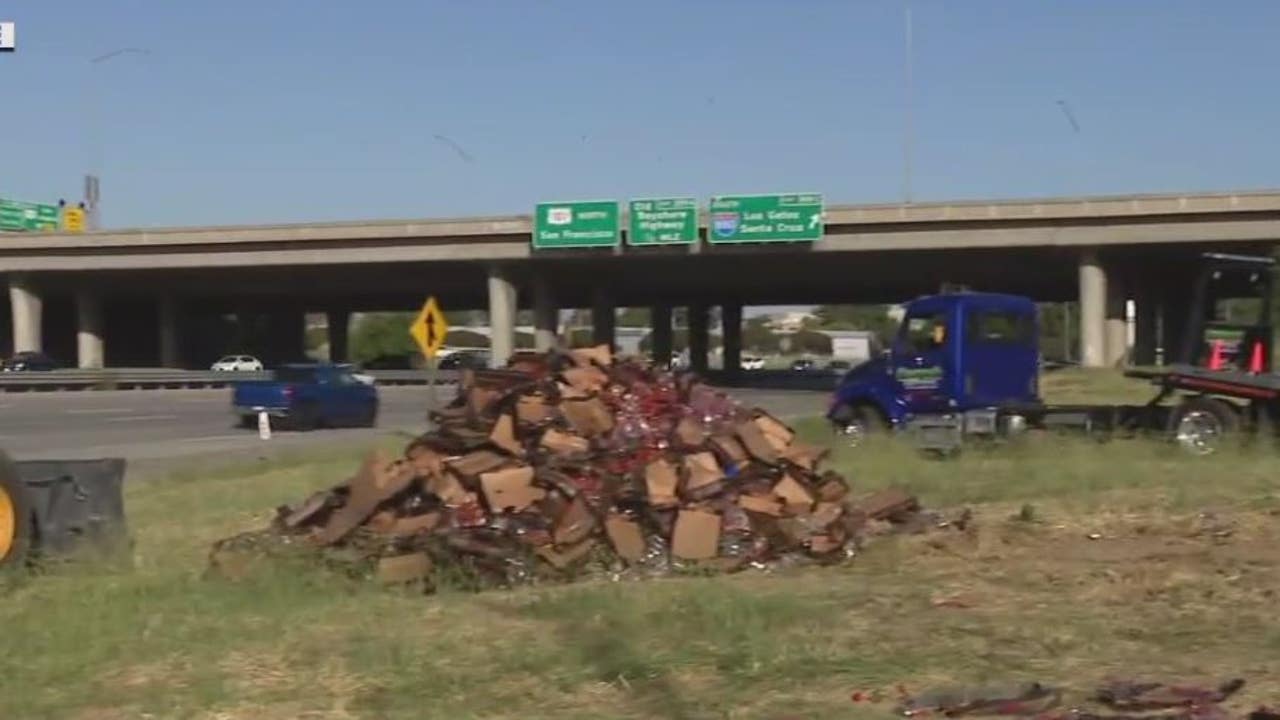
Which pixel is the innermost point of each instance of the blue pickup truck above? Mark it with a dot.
(305, 397)
(967, 364)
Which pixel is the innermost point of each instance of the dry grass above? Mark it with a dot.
(1180, 582)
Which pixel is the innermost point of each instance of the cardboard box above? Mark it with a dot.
(563, 443)
(426, 461)
(661, 480)
(626, 536)
(696, 535)
(587, 378)
(476, 462)
(533, 410)
(403, 568)
(702, 469)
(575, 523)
(503, 435)
(416, 524)
(774, 430)
(795, 496)
(728, 447)
(564, 557)
(510, 490)
(588, 418)
(804, 455)
(833, 488)
(888, 503)
(826, 513)
(764, 504)
(378, 480)
(584, 357)
(690, 433)
(447, 487)
(756, 443)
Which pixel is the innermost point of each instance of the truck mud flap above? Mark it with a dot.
(75, 504)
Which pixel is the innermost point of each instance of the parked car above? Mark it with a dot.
(464, 360)
(237, 363)
(308, 396)
(29, 361)
(751, 362)
(839, 367)
(803, 365)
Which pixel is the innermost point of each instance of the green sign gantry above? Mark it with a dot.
(576, 224)
(23, 216)
(663, 221)
(766, 218)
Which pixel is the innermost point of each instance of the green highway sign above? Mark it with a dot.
(23, 216)
(665, 221)
(766, 218)
(576, 224)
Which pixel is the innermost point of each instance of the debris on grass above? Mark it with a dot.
(570, 463)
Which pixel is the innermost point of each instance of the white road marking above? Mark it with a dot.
(98, 411)
(141, 418)
(215, 438)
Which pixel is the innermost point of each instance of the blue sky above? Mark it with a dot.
(265, 110)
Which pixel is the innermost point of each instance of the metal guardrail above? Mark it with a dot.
(161, 378)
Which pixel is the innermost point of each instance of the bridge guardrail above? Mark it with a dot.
(161, 378)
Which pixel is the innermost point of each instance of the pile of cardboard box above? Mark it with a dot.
(571, 462)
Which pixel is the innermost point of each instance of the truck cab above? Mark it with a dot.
(952, 354)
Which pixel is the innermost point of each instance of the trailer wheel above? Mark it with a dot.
(1202, 425)
(15, 517)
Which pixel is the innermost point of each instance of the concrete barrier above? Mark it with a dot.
(161, 378)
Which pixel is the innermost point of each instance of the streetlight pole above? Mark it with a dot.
(95, 141)
(907, 119)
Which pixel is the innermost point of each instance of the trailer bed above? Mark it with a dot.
(1231, 383)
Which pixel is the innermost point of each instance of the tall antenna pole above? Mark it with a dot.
(907, 129)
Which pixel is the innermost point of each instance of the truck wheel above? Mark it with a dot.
(15, 517)
(1203, 425)
(859, 422)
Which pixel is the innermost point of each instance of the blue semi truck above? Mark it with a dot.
(967, 364)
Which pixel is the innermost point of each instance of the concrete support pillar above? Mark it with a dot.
(603, 318)
(27, 307)
(731, 338)
(336, 324)
(546, 316)
(170, 333)
(1146, 322)
(1117, 321)
(1093, 301)
(699, 338)
(660, 339)
(90, 349)
(502, 317)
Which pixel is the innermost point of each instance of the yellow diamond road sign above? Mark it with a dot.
(430, 328)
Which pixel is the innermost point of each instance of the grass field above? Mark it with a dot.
(1086, 560)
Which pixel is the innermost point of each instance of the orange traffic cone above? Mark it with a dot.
(1215, 356)
(1255, 360)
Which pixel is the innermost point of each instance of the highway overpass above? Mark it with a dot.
(156, 296)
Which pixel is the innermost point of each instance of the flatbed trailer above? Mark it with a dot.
(967, 365)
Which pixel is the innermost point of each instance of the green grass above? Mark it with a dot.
(1160, 593)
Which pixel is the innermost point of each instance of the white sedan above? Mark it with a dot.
(751, 362)
(237, 363)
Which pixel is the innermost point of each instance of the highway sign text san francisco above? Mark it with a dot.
(576, 224)
(766, 218)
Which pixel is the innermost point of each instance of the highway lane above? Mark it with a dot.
(155, 428)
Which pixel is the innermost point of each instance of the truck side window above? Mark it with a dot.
(999, 326)
(925, 332)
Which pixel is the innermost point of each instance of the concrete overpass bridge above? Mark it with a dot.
(156, 296)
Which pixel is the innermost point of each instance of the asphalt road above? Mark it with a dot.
(155, 428)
